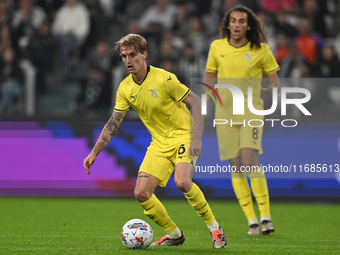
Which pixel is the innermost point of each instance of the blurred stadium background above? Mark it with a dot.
(58, 80)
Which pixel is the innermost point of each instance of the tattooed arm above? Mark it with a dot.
(108, 132)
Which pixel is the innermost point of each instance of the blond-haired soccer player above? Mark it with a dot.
(160, 101)
(241, 58)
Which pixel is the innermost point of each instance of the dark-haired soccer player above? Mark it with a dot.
(160, 101)
(240, 58)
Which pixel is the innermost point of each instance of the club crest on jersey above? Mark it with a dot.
(153, 91)
(248, 56)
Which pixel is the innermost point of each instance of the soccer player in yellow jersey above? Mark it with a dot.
(160, 101)
(240, 58)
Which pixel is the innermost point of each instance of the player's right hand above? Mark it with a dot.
(88, 162)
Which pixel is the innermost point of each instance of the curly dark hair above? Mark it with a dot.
(255, 35)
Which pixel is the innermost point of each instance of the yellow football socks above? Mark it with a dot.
(260, 191)
(243, 195)
(155, 210)
(197, 200)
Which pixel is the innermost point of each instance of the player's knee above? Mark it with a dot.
(142, 195)
(249, 163)
(235, 164)
(183, 185)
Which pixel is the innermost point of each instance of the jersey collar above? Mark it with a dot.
(238, 46)
(148, 70)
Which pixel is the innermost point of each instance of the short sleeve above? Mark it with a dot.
(211, 61)
(174, 88)
(269, 64)
(122, 104)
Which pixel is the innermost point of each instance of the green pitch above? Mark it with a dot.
(92, 226)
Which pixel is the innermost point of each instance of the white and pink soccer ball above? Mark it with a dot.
(136, 234)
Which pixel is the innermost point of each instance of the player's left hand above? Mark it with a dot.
(268, 89)
(195, 148)
(88, 162)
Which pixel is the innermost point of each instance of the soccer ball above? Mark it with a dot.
(136, 234)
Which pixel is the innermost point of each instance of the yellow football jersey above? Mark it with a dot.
(158, 102)
(242, 67)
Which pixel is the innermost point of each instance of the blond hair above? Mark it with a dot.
(131, 41)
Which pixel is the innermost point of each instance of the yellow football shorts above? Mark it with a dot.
(161, 164)
(232, 139)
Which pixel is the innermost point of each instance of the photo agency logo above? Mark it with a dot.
(238, 104)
